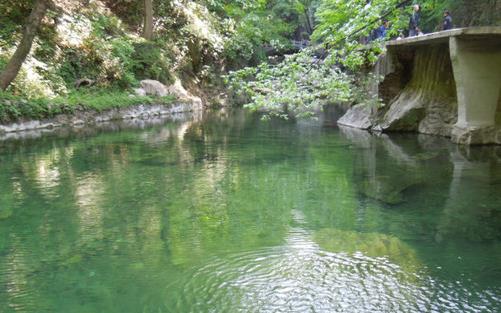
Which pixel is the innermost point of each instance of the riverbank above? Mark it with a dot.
(14, 108)
(84, 109)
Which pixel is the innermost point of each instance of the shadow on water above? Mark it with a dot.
(227, 213)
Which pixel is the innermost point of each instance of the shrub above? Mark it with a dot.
(150, 62)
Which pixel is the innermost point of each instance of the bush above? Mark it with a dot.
(150, 62)
(108, 62)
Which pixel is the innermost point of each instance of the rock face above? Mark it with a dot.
(426, 101)
(178, 90)
(358, 116)
(404, 114)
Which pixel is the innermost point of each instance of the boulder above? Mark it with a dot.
(178, 90)
(84, 82)
(358, 116)
(404, 114)
(154, 88)
(140, 92)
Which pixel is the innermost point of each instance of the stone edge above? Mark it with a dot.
(85, 118)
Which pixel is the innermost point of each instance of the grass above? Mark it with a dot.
(14, 108)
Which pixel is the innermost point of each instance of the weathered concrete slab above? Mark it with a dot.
(491, 33)
(449, 85)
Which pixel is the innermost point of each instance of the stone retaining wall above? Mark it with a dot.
(87, 118)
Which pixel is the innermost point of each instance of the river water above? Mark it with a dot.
(228, 213)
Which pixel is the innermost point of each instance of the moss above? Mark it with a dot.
(14, 108)
(5, 213)
(370, 244)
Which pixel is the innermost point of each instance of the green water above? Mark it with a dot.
(231, 214)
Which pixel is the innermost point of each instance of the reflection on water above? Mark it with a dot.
(226, 213)
(299, 276)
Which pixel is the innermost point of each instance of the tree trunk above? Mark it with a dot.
(309, 18)
(12, 68)
(148, 20)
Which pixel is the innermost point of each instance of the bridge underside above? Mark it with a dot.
(446, 83)
(475, 57)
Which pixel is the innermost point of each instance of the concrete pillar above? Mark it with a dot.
(476, 64)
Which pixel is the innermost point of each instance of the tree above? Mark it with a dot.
(30, 30)
(148, 20)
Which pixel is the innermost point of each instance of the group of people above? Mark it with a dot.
(414, 24)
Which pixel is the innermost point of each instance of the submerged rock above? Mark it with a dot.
(386, 189)
(426, 156)
(370, 244)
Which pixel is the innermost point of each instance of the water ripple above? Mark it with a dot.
(301, 277)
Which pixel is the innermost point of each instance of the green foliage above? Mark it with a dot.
(302, 84)
(255, 26)
(3, 61)
(106, 56)
(13, 108)
(297, 87)
(252, 34)
(131, 12)
(149, 61)
(12, 16)
(107, 26)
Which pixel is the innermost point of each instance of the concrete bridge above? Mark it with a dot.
(446, 83)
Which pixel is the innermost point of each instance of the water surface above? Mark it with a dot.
(227, 213)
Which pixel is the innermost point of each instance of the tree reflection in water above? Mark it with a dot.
(122, 220)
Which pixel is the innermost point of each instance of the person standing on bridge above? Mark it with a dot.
(414, 21)
(381, 31)
(447, 24)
